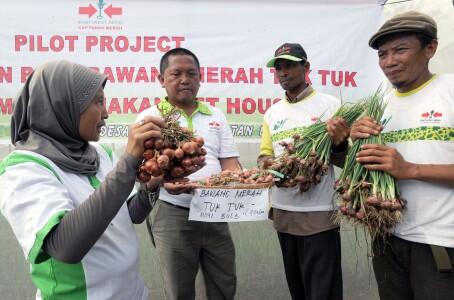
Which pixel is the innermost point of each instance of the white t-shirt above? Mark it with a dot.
(35, 195)
(421, 128)
(281, 121)
(211, 124)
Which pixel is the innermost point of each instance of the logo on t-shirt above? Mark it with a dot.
(214, 125)
(431, 117)
(279, 124)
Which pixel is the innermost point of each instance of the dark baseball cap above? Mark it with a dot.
(411, 21)
(289, 51)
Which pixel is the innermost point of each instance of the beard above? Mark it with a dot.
(187, 100)
(398, 85)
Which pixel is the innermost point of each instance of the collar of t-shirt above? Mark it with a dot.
(415, 90)
(304, 93)
(165, 106)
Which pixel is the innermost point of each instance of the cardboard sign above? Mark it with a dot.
(229, 205)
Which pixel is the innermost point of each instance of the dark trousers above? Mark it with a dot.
(407, 270)
(313, 265)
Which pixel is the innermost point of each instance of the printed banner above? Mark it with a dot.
(233, 40)
(229, 205)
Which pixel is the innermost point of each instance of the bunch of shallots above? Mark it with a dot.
(306, 160)
(367, 197)
(238, 178)
(294, 170)
(177, 154)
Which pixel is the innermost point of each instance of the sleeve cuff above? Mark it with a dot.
(152, 196)
(36, 254)
(342, 147)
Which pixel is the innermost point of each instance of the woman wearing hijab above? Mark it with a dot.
(67, 200)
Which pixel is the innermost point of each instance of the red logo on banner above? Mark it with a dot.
(100, 15)
(100, 8)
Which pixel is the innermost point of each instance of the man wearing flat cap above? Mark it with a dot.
(309, 240)
(416, 262)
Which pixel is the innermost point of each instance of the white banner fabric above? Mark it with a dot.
(233, 40)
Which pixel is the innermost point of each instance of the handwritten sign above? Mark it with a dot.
(229, 205)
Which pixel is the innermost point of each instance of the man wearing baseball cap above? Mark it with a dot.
(416, 261)
(309, 240)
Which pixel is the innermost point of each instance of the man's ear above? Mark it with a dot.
(431, 48)
(307, 70)
(161, 80)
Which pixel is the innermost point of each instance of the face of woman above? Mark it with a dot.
(92, 118)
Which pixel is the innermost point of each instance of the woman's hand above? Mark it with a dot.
(149, 127)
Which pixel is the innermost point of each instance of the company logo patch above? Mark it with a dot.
(431, 117)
